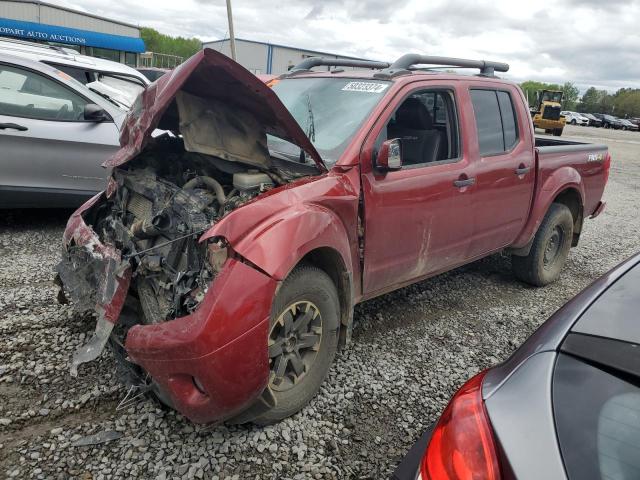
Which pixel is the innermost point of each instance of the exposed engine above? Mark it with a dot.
(155, 217)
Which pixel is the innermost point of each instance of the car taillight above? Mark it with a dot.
(607, 167)
(462, 445)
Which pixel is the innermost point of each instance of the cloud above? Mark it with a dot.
(588, 42)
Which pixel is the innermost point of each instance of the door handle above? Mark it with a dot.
(464, 183)
(13, 126)
(522, 170)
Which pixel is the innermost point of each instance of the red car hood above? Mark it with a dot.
(210, 75)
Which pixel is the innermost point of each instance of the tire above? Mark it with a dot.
(557, 132)
(542, 267)
(306, 284)
(573, 122)
(548, 130)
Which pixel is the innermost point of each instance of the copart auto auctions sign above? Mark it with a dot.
(40, 35)
(71, 36)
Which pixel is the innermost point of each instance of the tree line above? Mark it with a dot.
(623, 103)
(160, 43)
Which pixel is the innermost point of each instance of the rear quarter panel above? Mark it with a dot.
(565, 165)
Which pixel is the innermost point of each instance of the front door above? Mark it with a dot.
(418, 219)
(50, 154)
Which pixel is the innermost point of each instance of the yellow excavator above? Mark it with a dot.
(546, 113)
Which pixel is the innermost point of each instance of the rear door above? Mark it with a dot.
(50, 155)
(504, 167)
(418, 219)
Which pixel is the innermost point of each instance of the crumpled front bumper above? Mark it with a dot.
(210, 365)
(213, 363)
(96, 277)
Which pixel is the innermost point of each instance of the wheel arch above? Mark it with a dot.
(571, 198)
(564, 186)
(330, 261)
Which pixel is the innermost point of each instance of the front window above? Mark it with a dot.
(27, 94)
(329, 110)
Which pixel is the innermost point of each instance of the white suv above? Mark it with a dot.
(115, 81)
(574, 118)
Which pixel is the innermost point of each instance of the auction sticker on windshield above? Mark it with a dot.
(369, 87)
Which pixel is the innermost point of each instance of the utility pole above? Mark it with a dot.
(232, 38)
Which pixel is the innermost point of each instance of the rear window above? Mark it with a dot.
(597, 418)
(495, 121)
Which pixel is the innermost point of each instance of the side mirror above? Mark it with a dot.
(95, 113)
(390, 156)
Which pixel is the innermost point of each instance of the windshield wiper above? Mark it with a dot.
(311, 129)
(107, 97)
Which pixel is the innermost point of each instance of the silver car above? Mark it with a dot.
(55, 134)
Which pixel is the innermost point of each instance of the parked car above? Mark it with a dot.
(593, 120)
(55, 135)
(119, 82)
(609, 121)
(224, 261)
(574, 118)
(563, 406)
(628, 125)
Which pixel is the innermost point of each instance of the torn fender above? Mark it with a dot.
(276, 231)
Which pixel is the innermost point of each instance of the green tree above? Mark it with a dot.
(570, 95)
(160, 43)
(531, 89)
(626, 102)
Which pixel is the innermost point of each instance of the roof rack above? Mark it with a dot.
(308, 63)
(403, 65)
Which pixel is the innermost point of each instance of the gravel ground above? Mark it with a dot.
(411, 350)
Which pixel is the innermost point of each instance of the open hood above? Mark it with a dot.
(217, 81)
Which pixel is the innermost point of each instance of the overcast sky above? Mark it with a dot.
(588, 42)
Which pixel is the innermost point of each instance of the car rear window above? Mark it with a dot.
(597, 415)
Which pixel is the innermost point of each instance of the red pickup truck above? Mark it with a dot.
(225, 256)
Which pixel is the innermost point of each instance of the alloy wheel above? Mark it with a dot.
(294, 341)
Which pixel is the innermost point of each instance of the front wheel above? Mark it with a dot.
(549, 250)
(303, 340)
(573, 122)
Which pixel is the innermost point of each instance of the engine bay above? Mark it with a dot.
(164, 201)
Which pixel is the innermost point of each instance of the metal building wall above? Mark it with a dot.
(267, 58)
(51, 15)
(252, 56)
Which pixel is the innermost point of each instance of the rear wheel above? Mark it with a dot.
(557, 132)
(303, 339)
(549, 250)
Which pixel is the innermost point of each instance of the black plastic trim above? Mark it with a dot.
(605, 352)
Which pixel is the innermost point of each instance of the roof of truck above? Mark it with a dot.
(405, 68)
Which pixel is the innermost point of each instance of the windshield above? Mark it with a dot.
(120, 88)
(548, 96)
(329, 110)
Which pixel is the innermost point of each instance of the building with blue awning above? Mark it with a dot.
(89, 34)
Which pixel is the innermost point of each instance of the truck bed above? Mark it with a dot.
(553, 145)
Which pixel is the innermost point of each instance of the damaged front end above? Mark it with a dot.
(134, 254)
